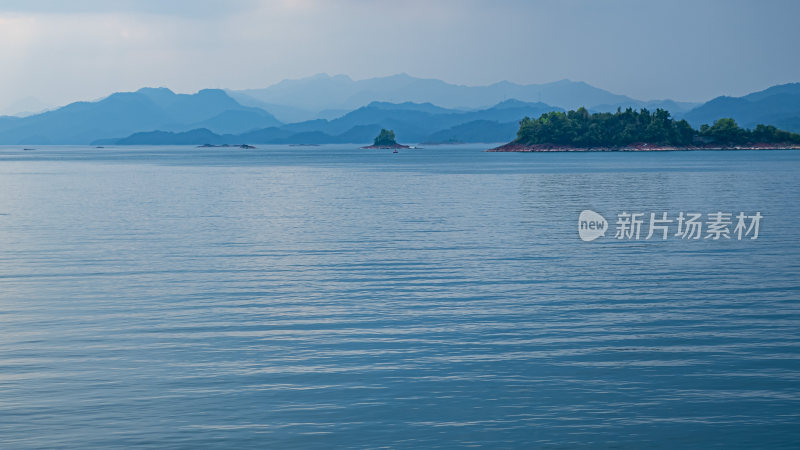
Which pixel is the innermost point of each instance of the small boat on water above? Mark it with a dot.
(395, 151)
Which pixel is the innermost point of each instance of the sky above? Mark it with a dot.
(61, 51)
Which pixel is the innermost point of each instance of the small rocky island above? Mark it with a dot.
(385, 139)
(630, 130)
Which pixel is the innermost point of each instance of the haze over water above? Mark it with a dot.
(174, 297)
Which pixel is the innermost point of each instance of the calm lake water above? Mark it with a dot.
(288, 297)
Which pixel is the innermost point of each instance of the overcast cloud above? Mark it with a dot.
(62, 51)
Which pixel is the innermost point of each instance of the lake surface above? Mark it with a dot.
(289, 297)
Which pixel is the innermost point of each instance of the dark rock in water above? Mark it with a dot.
(394, 146)
(385, 140)
(225, 146)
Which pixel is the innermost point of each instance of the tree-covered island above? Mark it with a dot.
(385, 139)
(631, 130)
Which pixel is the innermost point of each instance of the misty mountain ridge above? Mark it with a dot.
(26, 106)
(340, 92)
(416, 122)
(150, 114)
(778, 105)
(123, 113)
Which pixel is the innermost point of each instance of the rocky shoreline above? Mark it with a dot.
(521, 148)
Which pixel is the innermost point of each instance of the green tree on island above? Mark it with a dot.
(385, 138)
(582, 129)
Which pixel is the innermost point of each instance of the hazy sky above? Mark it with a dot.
(60, 51)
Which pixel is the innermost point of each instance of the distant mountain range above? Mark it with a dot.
(307, 98)
(123, 113)
(415, 122)
(24, 107)
(337, 109)
(778, 105)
